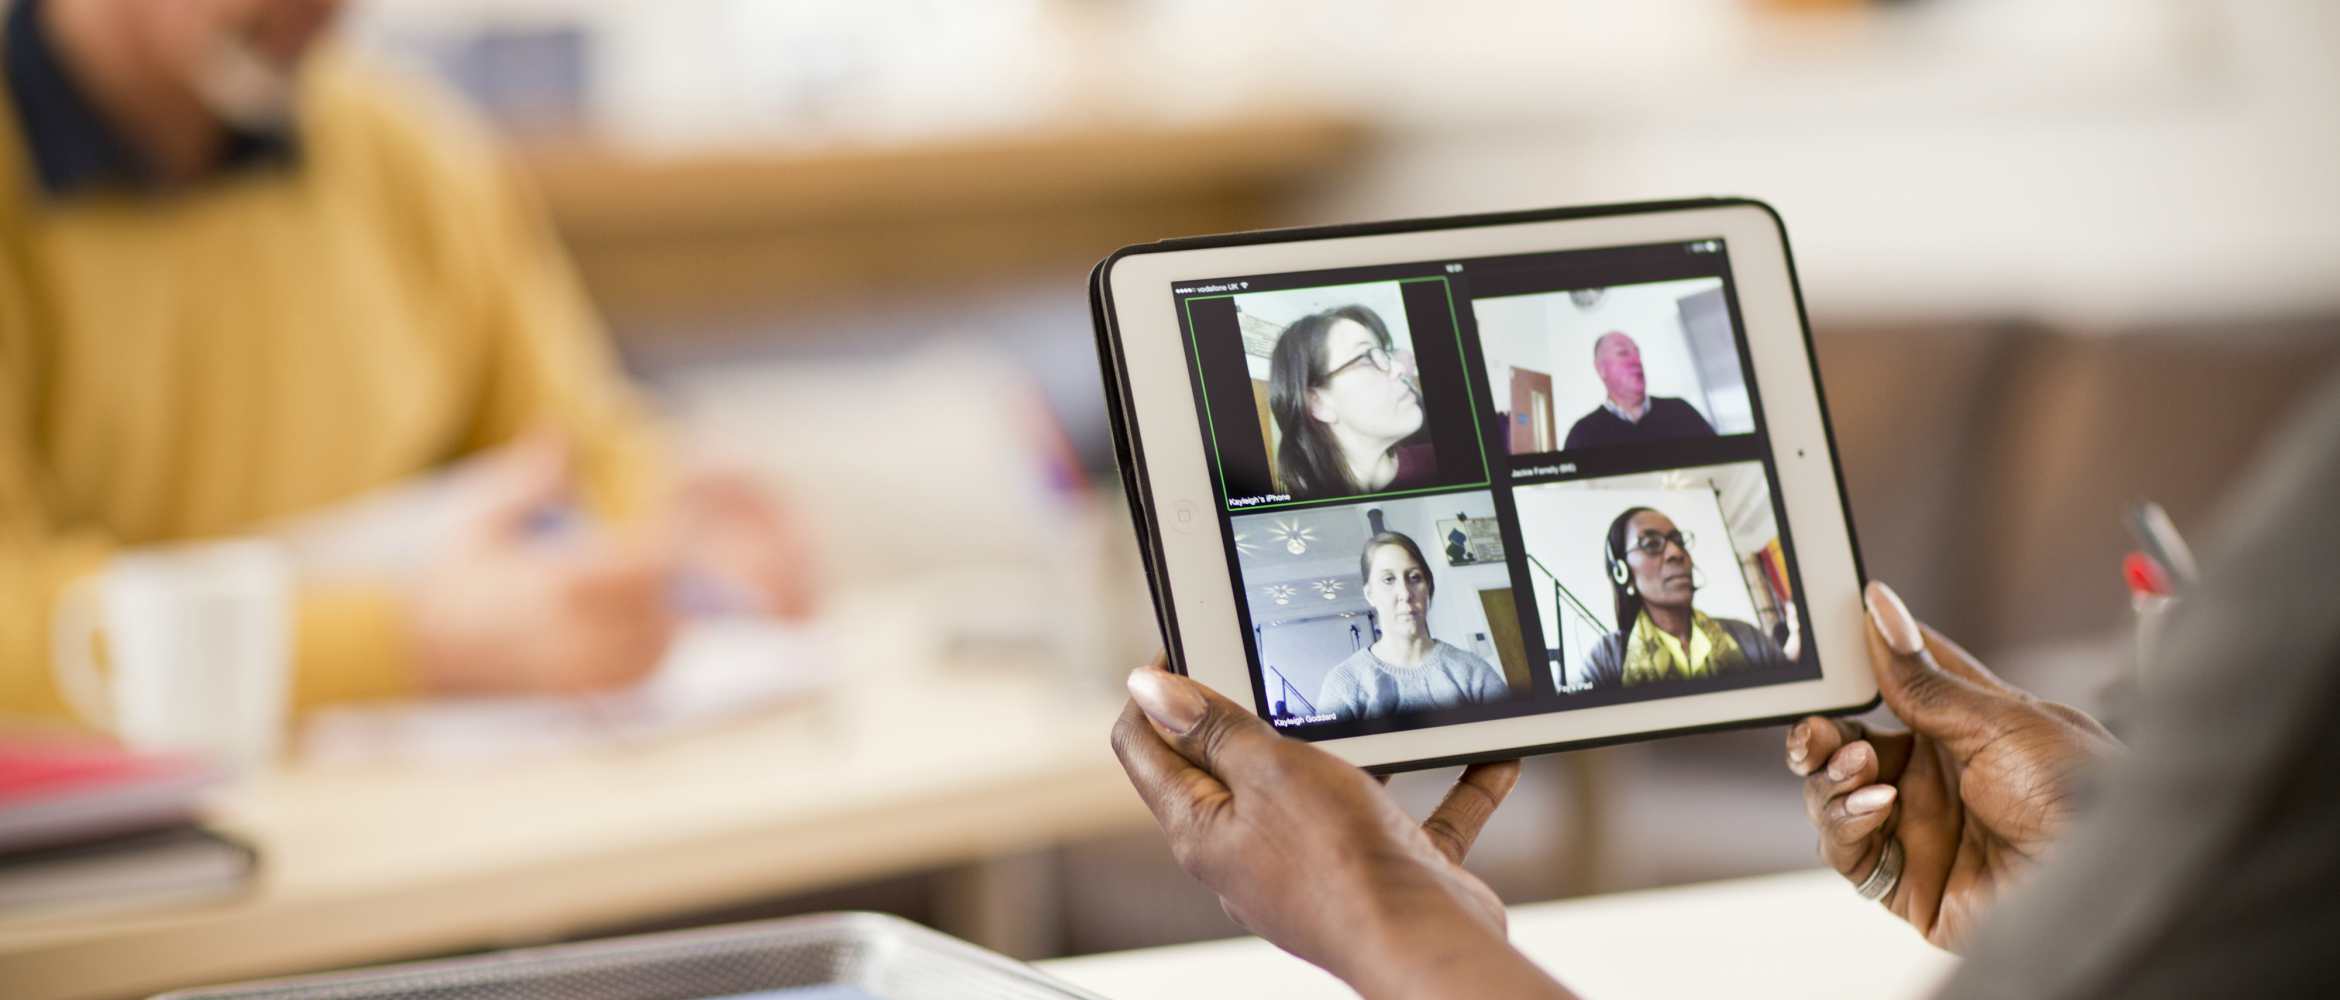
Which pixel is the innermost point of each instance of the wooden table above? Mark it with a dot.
(906, 766)
(1793, 936)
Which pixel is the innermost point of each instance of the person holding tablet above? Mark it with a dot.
(2020, 833)
(1405, 670)
(2199, 864)
(1987, 767)
(1659, 636)
(1343, 399)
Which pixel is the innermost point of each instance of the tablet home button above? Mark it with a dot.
(1182, 515)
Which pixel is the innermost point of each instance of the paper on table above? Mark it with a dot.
(716, 669)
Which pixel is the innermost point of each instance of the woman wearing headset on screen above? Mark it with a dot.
(1659, 636)
(1343, 398)
(1405, 670)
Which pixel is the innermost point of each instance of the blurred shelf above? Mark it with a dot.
(675, 241)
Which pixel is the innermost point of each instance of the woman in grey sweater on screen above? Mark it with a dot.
(1404, 670)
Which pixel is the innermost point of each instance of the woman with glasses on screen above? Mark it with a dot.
(1659, 636)
(1404, 670)
(1343, 399)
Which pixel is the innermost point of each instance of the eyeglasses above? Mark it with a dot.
(1378, 357)
(1653, 544)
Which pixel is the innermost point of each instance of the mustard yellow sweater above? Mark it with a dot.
(193, 363)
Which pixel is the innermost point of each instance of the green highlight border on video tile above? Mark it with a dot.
(1211, 426)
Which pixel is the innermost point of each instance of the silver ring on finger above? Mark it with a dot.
(1885, 876)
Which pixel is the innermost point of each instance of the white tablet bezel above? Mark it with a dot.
(1182, 504)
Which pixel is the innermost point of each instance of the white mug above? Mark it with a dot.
(197, 648)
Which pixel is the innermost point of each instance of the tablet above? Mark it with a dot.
(1445, 490)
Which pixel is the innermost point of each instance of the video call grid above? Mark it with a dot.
(1492, 277)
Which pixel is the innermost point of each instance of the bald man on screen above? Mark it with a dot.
(1630, 415)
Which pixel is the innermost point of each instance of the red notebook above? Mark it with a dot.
(67, 791)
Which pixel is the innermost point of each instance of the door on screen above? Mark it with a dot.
(1531, 412)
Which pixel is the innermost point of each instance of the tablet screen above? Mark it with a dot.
(1471, 489)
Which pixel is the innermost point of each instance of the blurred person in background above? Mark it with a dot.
(1630, 415)
(242, 279)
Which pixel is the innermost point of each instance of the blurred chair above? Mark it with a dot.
(1990, 466)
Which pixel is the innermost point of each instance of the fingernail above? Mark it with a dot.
(1799, 747)
(1170, 700)
(1847, 762)
(1893, 621)
(1870, 799)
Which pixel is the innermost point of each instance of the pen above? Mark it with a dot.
(2145, 577)
(2156, 574)
(2159, 537)
(691, 592)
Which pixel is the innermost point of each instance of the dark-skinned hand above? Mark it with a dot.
(1311, 853)
(1982, 784)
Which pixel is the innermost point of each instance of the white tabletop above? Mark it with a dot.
(1794, 936)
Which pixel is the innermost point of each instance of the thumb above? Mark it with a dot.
(1455, 824)
(1213, 733)
(1934, 702)
(531, 475)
